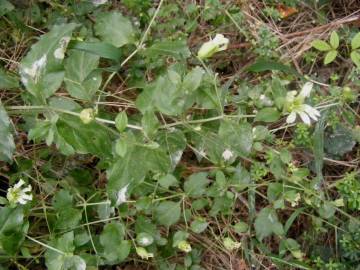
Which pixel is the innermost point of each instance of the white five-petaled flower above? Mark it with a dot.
(219, 43)
(121, 195)
(295, 105)
(99, 2)
(16, 194)
(227, 154)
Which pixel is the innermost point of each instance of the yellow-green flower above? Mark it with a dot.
(184, 246)
(231, 244)
(219, 43)
(143, 254)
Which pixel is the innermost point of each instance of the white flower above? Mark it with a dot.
(295, 105)
(219, 43)
(19, 195)
(99, 2)
(59, 53)
(227, 154)
(121, 195)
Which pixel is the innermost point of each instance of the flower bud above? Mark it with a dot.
(219, 43)
(184, 246)
(143, 254)
(87, 115)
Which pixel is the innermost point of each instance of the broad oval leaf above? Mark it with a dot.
(114, 28)
(268, 115)
(355, 42)
(330, 57)
(81, 79)
(167, 213)
(334, 40)
(43, 64)
(321, 45)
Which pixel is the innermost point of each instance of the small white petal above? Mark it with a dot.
(22, 201)
(221, 41)
(312, 112)
(19, 184)
(26, 197)
(27, 189)
(305, 118)
(306, 90)
(291, 118)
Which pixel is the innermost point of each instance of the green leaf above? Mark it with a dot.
(267, 223)
(85, 138)
(355, 57)
(121, 121)
(340, 141)
(68, 218)
(174, 142)
(267, 115)
(133, 167)
(236, 137)
(12, 229)
(195, 186)
(64, 103)
(318, 147)
(355, 42)
(241, 227)
(330, 56)
(5, 7)
(116, 249)
(334, 40)
(175, 48)
(168, 180)
(266, 65)
(167, 213)
(41, 72)
(62, 199)
(192, 80)
(199, 225)
(81, 79)
(114, 28)
(101, 49)
(7, 145)
(321, 45)
(8, 81)
(121, 147)
(169, 93)
(150, 123)
(66, 260)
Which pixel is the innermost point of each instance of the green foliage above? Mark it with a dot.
(330, 48)
(139, 153)
(122, 34)
(7, 145)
